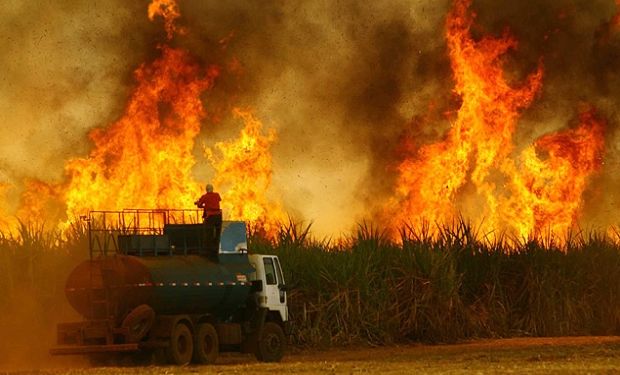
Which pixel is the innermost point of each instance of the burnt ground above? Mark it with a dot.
(520, 355)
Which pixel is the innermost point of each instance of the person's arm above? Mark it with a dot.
(200, 202)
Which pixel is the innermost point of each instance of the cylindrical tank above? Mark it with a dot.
(192, 284)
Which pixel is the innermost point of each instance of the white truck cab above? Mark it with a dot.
(272, 294)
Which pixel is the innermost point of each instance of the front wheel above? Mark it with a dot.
(271, 345)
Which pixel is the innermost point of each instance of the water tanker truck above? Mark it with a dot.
(154, 285)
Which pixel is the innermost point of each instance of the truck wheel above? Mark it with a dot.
(271, 345)
(206, 344)
(181, 345)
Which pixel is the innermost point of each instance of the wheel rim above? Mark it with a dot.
(272, 343)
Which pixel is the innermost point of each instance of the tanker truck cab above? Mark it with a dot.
(269, 287)
(159, 283)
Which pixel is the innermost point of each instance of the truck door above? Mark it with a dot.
(271, 281)
(280, 281)
(276, 296)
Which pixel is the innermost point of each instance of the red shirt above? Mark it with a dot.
(211, 204)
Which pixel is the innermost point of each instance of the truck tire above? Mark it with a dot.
(270, 346)
(138, 322)
(181, 347)
(206, 344)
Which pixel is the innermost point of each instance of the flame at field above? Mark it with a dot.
(5, 222)
(244, 168)
(547, 190)
(481, 134)
(474, 159)
(41, 202)
(145, 159)
(169, 10)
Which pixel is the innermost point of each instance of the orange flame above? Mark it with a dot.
(169, 11)
(547, 191)
(145, 159)
(244, 166)
(476, 151)
(40, 202)
(5, 221)
(427, 187)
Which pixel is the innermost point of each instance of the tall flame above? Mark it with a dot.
(244, 168)
(476, 151)
(145, 158)
(169, 11)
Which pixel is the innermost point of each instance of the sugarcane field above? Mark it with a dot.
(342, 187)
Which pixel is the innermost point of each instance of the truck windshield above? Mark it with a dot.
(270, 273)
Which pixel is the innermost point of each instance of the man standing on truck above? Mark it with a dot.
(212, 215)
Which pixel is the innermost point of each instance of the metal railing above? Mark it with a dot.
(105, 227)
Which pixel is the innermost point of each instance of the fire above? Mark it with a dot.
(244, 167)
(169, 10)
(5, 222)
(552, 185)
(145, 158)
(481, 134)
(476, 152)
(40, 202)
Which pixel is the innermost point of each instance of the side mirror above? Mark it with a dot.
(257, 286)
(284, 287)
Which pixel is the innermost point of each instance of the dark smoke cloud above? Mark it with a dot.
(65, 68)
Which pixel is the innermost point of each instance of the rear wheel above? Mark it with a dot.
(206, 344)
(181, 347)
(270, 346)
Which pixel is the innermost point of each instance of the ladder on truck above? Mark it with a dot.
(104, 228)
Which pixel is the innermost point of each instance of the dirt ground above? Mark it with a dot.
(522, 355)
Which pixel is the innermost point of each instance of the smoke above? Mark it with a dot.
(342, 82)
(338, 80)
(65, 68)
